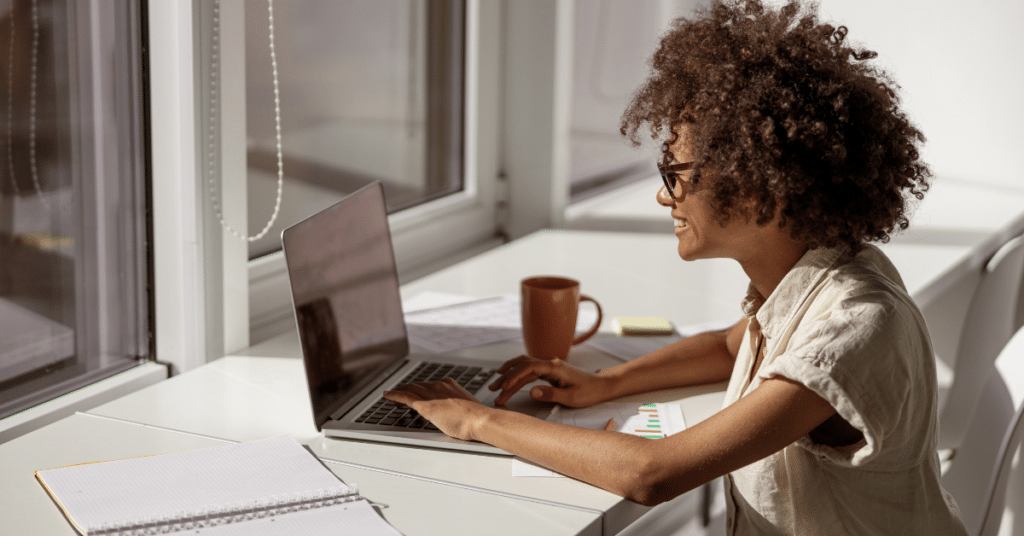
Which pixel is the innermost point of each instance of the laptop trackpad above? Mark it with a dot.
(521, 402)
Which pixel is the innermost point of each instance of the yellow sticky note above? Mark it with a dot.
(640, 326)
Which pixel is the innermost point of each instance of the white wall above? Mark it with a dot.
(961, 68)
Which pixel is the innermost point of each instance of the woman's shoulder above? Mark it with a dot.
(862, 307)
(869, 278)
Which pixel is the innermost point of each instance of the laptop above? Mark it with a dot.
(344, 286)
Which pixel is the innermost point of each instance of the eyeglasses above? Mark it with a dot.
(670, 174)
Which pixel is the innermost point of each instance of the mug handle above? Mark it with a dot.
(593, 330)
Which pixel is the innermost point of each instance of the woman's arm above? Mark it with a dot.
(703, 358)
(646, 471)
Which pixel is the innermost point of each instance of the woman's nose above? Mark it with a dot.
(664, 199)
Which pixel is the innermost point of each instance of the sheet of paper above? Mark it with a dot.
(432, 299)
(465, 324)
(653, 421)
(715, 325)
(630, 348)
(459, 323)
(524, 467)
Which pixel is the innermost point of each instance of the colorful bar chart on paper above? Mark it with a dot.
(653, 421)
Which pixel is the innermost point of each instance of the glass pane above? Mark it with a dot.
(73, 306)
(613, 40)
(369, 90)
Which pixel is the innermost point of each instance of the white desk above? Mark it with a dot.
(263, 392)
(415, 506)
(259, 396)
(243, 398)
(641, 274)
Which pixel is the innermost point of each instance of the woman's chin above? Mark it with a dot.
(688, 253)
(690, 250)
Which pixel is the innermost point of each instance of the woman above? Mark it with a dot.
(788, 153)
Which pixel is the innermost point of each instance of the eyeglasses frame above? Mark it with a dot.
(669, 175)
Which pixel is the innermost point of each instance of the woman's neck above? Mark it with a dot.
(770, 260)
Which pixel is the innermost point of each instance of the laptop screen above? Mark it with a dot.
(344, 284)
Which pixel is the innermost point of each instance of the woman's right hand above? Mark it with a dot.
(570, 386)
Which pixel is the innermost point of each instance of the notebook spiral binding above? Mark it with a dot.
(230, 513)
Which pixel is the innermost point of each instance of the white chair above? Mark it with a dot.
(988, 326)
(1019, 323)
(978, 475)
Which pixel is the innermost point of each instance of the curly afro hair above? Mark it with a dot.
(784, 113)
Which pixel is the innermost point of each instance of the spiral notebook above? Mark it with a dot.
(268, 487)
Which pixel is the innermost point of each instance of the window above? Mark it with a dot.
(74, 306)
(369, 90)
(613, 40)
(460, 107)
(398, 91)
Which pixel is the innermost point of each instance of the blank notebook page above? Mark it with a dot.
(162, 486)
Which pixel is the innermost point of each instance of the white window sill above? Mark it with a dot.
(82, 399)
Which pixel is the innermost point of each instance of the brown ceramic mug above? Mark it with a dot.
(550, 305)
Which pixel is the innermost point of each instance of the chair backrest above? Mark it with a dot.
(987, 327)
(1020, 306)
(979, 472)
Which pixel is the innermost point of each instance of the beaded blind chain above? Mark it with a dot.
(33, 167)
(211, 159)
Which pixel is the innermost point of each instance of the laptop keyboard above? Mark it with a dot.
(387, 413)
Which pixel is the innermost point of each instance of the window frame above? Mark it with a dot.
(100, 124)
(211, 300)
(435, 230)
(188, 262)
(205, 285)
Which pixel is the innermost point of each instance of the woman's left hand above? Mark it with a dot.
(445, 403)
